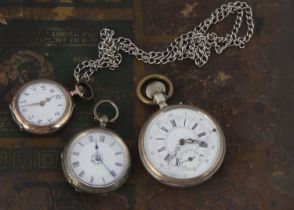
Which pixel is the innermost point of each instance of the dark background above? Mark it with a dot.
(250, 92)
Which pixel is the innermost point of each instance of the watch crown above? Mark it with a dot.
(155, 88)
(157, 92)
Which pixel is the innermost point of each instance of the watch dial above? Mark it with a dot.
(182, 143)
(98, 158)
(42, 103)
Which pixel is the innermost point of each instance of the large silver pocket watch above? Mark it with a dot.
(97, 160)
(179, 145)
(44, 106)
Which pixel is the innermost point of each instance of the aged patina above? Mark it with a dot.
(250, 92)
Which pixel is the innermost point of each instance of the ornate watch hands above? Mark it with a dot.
(183, 142)
(192, 141)
(178, 147)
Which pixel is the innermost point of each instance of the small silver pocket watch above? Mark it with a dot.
(44, 106)
(97, 160)
(179, 145)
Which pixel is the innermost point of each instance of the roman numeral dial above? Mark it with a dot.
(97, 158)
(178, 141)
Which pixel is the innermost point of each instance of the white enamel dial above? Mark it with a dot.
(98, 158)
(42, 103)
(182, 142)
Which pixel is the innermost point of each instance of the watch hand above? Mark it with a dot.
(33, 104)
(41, 103)
(201, 143)
(181, 143)
(174, 154)
(189, 159)
(96, 148)
(191, 141)
(48, 99)
(99, 158)
(106, 167)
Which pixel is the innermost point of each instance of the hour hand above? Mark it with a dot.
(178, 147)
(192, 141)
(181, 142)
(195, 141)
(48, 99)
(96, 145)
(96, 148)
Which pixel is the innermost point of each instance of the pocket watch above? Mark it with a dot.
(43, 106)
(179, 145)
(97, 160)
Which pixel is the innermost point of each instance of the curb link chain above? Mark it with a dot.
(195, 45)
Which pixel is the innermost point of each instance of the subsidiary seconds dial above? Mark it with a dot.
(181, 145)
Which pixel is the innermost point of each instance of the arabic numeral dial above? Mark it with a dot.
(42, 103)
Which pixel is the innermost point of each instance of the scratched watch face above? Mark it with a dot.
(98, 158)
(182, 143)
(42, 103)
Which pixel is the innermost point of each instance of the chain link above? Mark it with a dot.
(195, 45)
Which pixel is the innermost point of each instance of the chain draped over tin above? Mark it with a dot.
(195, 45)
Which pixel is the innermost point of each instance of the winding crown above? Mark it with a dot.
(155, 88)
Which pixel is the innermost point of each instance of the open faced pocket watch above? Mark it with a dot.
(97, 160)
(179, 145)
(44, 106)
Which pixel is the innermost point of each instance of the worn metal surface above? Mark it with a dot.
(249, 91)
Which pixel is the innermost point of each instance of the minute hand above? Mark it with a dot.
(33, 104)
(110, 171)
(41, 103)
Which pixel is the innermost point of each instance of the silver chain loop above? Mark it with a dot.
(195, 45)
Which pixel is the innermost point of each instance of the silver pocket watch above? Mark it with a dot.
(97, 160)
(44, 106)
(179, 145)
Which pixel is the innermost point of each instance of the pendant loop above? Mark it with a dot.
(103, 118)
(143, 84)
(84, 90)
